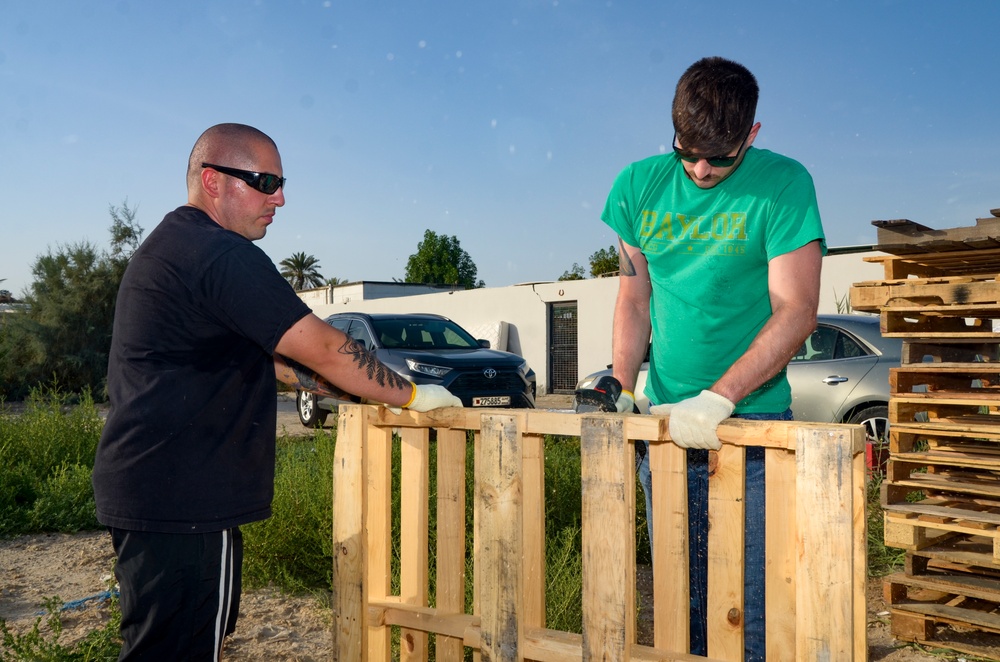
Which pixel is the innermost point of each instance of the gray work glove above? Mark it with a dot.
(693, 422)
(625, 402)
(427, 397)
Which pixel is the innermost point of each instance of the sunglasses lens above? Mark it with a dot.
(268, 183)
(722, 162)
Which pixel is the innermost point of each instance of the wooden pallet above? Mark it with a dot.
(950, 350)
(948, 595)
(916, 527)
(945, 377)
(944, 408)
(940, 321)
(914, 293)
(904, 237)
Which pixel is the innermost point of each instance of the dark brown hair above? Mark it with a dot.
(714, 105)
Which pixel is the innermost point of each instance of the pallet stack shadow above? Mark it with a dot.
(941, 491)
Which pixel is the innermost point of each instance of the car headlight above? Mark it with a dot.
(427, 368)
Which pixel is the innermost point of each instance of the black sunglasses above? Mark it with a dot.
(264, 182)
(714, 161)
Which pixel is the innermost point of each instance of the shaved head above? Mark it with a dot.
(230, 145)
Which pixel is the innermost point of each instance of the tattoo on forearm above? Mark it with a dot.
(308, 380)
(375, 369)
(625, 266)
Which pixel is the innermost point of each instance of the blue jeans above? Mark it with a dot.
(754, 638)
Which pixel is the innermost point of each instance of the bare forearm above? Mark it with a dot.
(317, 356)
(630, 339)
(769, 352)
(293, 373)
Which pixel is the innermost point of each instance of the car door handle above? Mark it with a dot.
(833, 380)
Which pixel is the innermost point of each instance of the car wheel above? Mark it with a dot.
(876, 422)
(310, 412)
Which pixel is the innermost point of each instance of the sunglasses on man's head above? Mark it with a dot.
(714, 161)
(264, 182)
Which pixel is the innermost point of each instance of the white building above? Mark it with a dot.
(562, 328)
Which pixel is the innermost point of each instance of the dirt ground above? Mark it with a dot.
(272, 626)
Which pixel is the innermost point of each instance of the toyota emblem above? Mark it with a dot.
(489, 373)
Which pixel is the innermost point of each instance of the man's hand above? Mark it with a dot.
(693, 422)
(625, 402)
(426, 397)
(432, 396)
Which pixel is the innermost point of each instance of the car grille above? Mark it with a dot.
(477, 383)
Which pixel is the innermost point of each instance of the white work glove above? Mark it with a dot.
(428, 396)
(693, 422)
(625, 402)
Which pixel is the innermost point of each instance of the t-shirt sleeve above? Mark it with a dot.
(252, 297)
(619, 212)
(794, 220)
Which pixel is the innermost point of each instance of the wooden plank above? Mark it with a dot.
(903, 236)
(608, 470)
(414, 486)
(534, 530)
(499, 524)
(825, 593)
(860, 538)
(350, 594)
(964, 584)
(450, 553)
(781, 537)
(896, 324)
(873, 298)
(671, 588)
(968, 550)
(726, 553)
(938, 350)
(379, 524)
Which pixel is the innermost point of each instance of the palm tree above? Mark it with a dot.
(301, 271)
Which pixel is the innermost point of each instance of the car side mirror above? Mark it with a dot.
(485, 344)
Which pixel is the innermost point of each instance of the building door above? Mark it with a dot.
(562, 347)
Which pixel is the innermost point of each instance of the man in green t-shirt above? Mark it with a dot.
(720, 252)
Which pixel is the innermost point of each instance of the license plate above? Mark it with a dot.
(491, 401)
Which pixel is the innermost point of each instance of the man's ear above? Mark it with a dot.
(753, 133)
(210, 182)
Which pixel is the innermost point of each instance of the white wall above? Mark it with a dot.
(525, 310)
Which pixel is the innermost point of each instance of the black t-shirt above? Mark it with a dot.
(189, 441)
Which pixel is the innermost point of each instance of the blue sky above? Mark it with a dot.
(501, 123)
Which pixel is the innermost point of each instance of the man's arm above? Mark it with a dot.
(630, 333)
(793, 286)
(343, 363)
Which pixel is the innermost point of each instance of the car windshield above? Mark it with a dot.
(422, 334)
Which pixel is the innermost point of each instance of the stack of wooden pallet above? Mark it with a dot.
(941, 492)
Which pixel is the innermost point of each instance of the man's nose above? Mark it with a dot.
(702, 169)
(278, 197)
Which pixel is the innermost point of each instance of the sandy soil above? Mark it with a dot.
(272, 626)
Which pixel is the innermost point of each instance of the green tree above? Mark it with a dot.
(334, 281)
(64, 333)
(576, 273)
(440, 259)
(604, 262)
(301, 271)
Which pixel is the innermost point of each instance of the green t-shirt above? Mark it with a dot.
(708, 252)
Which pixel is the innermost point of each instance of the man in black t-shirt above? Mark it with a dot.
(203, 324)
